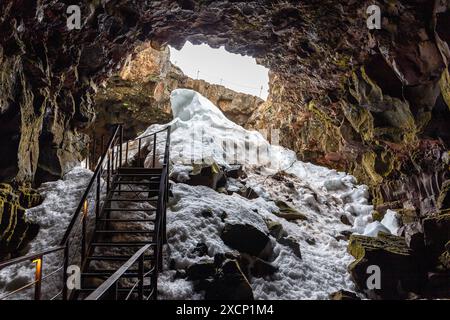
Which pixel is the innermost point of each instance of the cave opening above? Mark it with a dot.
(240, 73)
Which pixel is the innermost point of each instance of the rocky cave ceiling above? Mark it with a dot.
(372, 102)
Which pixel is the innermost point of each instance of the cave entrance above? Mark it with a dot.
(218, 66)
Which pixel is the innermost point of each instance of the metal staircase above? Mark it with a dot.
(116, 235)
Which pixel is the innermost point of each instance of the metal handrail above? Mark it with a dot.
(30, 257)
(105, 286)
(89, 187)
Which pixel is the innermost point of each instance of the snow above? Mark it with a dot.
(61, 198)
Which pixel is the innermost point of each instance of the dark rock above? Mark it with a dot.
(201, 249)
(443, 201)
(344, 219)
(290, 242)
(229, 284)
(344, 295)
(235, 171)
(211, 176)
(399, 272)
(436, 231)
(248, 193)
(310, 241)
(201, 270)
(260, 268)
(244, 238)
(346, 234)
(275, 229)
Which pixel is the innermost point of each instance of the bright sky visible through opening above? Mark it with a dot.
(218, 66)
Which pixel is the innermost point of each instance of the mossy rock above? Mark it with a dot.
(29, 197)
(399, 271)
(288, 213)
(443, 201)
(436, 231)
(445, 87)
(408, 215)
(15, 229)
(377, 216)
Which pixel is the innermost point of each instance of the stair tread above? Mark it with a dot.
(128, 209)
(126, 220)
(125, 231)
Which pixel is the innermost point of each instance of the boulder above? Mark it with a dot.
(276, 229)
(344, 219)
(201, 270)
(229, 283)
(244, 238)
(344, 295)
(256, 267)
(436, 231)
(399, 272)
(443, 201)
(288, 213)
(290, 242)
(211, 176)
(235, 171)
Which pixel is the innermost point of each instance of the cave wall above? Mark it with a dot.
(372, 102)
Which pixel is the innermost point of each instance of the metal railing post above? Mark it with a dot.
(38, 278)
(139, 152)
(154, 150)
(97, 200)
(83, 231)
(141, 277)
(65, 266)
(108, 173)
(120, 146)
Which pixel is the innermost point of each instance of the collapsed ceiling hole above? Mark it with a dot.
(218, 66)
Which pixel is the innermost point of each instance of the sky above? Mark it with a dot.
(218, 66)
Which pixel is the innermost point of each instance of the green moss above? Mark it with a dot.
(368, 162)
(360, 119)
(445, 87)
(443, 201)
(287, 212)
(377, 216)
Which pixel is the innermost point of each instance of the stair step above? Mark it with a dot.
(122, 244)
(137, 183)
(108, 273)
(126, 220)
(138, 175)
(125, 231)
(89, 290)
(138, 170)
(132, 200)
(134, 191)
(129, 210)
(116, 258)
